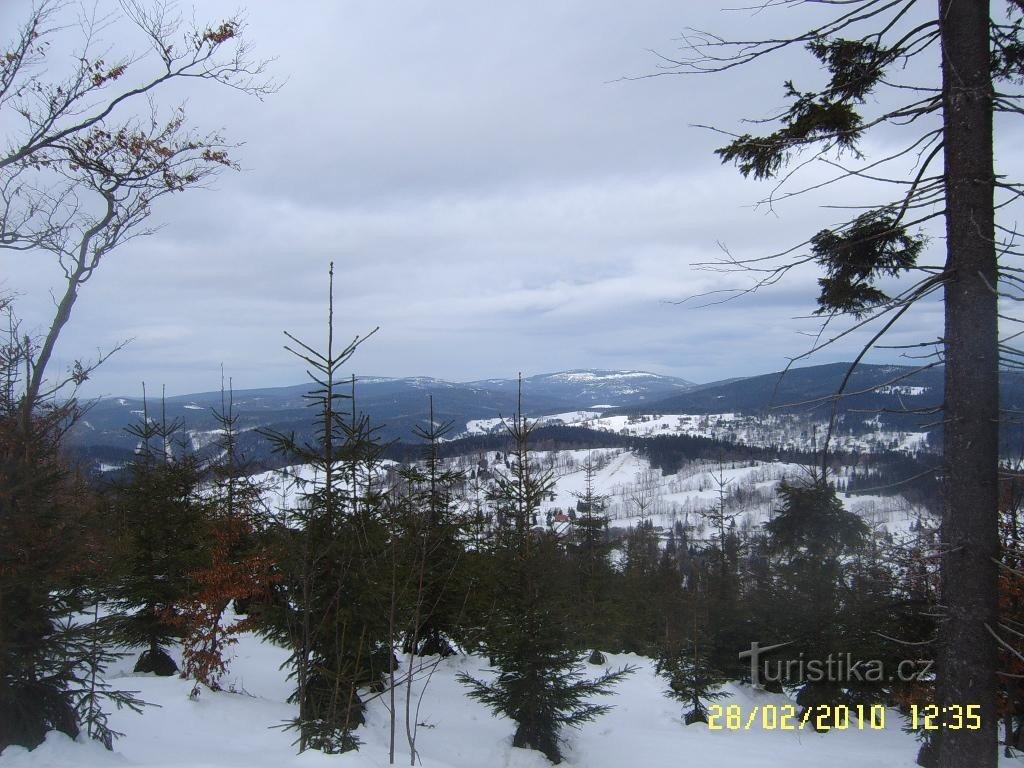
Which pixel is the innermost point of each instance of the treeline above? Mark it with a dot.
(915, 478)
(372, 571)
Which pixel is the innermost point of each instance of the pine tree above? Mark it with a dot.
(721, 583)
(590, 559)
(52, 570)
(436, 531)
(539, 679)
(943, 171)
(327, 604)
(640, 611)
(814, 536)
(163, 538)
(691, 680)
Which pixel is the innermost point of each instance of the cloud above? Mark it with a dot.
(492, 194)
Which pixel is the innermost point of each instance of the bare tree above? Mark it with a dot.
(85, 153)
(645, 492)
(87, 150)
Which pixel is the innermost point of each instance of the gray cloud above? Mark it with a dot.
(492, 195)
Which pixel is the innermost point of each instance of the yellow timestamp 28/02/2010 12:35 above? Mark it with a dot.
(788, 717)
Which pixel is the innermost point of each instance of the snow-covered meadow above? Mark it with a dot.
(787, 431)
(644, 728)
(635, 490)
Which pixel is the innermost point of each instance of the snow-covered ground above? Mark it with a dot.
(644, 728)
(637, 491)
(786, 431)
(283, 488)
(497, 425)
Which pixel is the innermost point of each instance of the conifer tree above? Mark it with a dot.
(163, 536)
(36, 547)
(814, 535)
(327, 602)
(436, 532)
(691, 680)
(722, 578)
(942, 173)
(53, 564)
(589, 556)
(641, 604)
(538, 662)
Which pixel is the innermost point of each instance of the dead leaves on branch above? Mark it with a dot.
(164, 157)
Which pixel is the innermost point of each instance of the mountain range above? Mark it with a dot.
(394, 405)
(878, 396)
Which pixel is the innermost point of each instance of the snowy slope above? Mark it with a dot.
(786, 431)
(644, 728)
(628, 481)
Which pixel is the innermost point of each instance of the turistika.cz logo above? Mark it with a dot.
(834, 668)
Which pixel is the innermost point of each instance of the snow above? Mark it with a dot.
(902, 389)
(589, 377)
(241, 726)
(643, 728)
(629, 482)
(497, 425)
(282, 489)
(787, 431)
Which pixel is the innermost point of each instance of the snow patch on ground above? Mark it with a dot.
(643, 728)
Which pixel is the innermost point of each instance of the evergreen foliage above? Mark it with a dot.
(943, 173)
(812, 536)
(435, 533)
(691, 680)
(326, 606)
(163, 540)
(52, 564)
(589, 560)
(538, 661)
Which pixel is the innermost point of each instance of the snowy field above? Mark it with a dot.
(644, 729)
(636, 491)
(787, 431)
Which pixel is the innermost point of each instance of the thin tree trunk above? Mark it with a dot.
(967, 654)
(75, 278)
(410, 723)
(391, 666)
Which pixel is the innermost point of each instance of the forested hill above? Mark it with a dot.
(394, 405)
(900, 397)
(880, 397)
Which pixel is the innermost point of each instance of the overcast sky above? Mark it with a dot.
(493, 194)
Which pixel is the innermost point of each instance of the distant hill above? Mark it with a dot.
(896, 397)
(593, 388)
(799, 388)
(882, 397)
(396, 405)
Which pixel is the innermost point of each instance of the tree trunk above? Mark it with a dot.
(967, 653)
